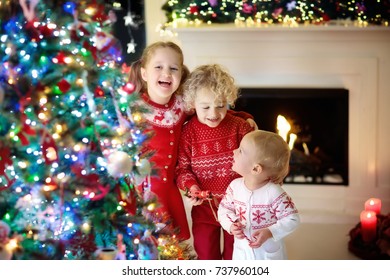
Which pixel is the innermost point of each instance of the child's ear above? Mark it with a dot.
(143, 74)
(257, 168)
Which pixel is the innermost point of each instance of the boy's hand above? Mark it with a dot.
(259, 237)
(194, 201)
(252, 123)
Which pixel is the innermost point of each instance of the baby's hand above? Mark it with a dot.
(259, 237)
(237, 230)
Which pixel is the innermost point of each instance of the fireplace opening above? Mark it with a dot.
(317, 118)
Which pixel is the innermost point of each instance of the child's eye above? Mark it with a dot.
(158, 67)
(174, 69)
(206, 108)
(221, 107)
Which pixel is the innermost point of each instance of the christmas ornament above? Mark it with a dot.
(213, 3)
(131, 22)
(128, 87)
(131, 47)
(4, 232)
(69, 7)
(93, 189)
(127, 193)
(147, 248)
(109, 48)
(82, 245)
(5, 160)
(144, 167)
(121, 248)
(119, 164)
(49, 148)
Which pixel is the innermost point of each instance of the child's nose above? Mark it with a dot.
(167, 72)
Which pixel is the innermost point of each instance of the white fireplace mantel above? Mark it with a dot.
(354, 58)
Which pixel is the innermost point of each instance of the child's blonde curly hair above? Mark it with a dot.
(214, 78)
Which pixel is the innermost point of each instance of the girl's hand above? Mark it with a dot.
(237, 230)
(259, 237)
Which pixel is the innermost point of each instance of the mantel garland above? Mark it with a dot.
(277, 12)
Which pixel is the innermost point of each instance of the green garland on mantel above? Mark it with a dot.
(363, 12)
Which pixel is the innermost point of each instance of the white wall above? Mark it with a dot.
(154, 16)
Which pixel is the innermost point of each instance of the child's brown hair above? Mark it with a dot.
(135, 72)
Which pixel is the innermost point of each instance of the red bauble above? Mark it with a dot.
(63, 85)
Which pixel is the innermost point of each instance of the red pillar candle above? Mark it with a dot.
(368, 225)
(373, 204)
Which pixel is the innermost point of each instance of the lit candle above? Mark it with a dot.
(373, 204)
(368, 225)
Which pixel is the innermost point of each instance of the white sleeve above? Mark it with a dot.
(287, 216)
(226, 211)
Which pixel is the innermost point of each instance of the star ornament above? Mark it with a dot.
(131, 47)
(291, 5)
(129, 20)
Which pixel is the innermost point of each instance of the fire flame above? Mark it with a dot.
(283, 128)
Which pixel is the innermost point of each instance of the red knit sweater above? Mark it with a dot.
(206, 154)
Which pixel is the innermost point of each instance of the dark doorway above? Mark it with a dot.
(319, 118)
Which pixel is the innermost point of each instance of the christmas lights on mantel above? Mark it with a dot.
(291, 13)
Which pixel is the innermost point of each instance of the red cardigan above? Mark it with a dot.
(166, 122)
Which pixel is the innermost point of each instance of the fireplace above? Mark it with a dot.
(316, 57)
(318, 118)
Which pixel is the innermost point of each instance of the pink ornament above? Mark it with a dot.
(247, 9)
(213, 3)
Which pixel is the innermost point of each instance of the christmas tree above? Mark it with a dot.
(71, 135)
(276, 12)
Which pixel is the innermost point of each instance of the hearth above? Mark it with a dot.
(318, 117)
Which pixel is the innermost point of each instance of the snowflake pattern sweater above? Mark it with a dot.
(267, 207)
(206, 154)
